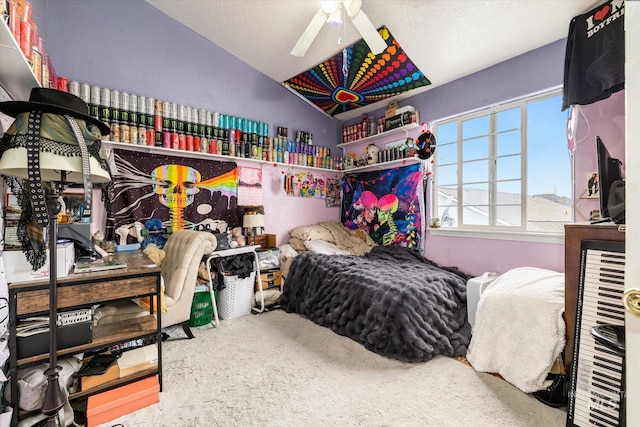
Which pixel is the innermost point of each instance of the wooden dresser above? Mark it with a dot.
(574, 234)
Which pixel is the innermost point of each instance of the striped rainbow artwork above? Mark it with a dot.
(355, 77)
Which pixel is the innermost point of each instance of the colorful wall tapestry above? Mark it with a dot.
(184, 193)
(388, 205)
(355, 77)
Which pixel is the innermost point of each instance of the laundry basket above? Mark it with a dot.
(236, 299)
(201, 307)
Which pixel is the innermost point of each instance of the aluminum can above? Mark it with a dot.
(74, 88)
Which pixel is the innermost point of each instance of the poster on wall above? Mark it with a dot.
(249, 186)
(333, 192)
(312, 186)
(184, 193)
(387, 204)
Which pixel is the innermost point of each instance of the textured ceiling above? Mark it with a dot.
(446, 39)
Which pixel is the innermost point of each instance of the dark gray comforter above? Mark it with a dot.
(392, 300)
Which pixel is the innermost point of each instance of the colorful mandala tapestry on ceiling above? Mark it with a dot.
(355, 77)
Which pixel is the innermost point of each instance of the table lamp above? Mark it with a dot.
(252, 222)
(52, 142)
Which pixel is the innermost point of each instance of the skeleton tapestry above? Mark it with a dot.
(387, 204)
(184, 193)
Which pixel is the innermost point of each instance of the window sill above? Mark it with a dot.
(555, 238)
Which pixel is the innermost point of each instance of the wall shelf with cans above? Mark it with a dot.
(198, 155)
(391, 153)
(404, 129)
(384, 165)
(16, 76)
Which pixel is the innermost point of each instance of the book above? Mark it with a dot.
(99, 265)
(138, 359)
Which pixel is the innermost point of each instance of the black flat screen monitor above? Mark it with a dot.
(609, 170)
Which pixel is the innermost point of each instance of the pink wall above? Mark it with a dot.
(283, 213)
(476, 256)
(605, 119)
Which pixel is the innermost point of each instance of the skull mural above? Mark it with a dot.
(176, 190)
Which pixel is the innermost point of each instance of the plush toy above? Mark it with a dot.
(154, 253)
(372, 154)
(237, 236)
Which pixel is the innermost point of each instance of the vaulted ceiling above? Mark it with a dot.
(446, 39)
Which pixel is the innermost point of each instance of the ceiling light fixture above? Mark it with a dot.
(328, 12)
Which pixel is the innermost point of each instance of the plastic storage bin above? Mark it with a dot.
(201, 307)
(237, 298)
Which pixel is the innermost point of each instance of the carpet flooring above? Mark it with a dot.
(280, 369)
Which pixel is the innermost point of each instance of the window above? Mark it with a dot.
(505, 168)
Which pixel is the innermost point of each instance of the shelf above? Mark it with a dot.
(404, 129)
(16, 76)
(100, 388)
(106, 335)
(198, 155)
(386, 165)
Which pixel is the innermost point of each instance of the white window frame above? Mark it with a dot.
(518, 233)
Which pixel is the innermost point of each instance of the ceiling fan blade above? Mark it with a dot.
(309, 34)
(369, 33)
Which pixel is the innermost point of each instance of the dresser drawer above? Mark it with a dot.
(270, 279)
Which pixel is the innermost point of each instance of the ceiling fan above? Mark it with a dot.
(332, 11)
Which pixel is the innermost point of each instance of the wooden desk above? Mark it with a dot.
(140, 278)
(574, 234)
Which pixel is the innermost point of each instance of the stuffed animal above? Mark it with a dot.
(236, 235)
(155, 254)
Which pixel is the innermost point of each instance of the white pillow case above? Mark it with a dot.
(324, 247)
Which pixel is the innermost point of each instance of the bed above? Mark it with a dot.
(390, 299)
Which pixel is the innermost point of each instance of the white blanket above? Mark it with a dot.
(519, 330)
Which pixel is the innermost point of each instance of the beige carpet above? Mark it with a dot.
(279, 369)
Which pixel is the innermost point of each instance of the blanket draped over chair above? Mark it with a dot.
(392, 300)
(519, 330)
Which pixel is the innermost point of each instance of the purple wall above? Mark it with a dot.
(132, 46)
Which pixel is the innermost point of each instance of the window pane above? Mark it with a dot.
(548, 167)
(447, 133)
(477, 171)
(508, 143)
(508, 216)
(447, 206)
(447, 175)
(547, 149)
(509, 168)
(447, 154)
(508, 119)
(509, 192)
(475, 215)
(476, 194)
(477, 148)
(475, 127)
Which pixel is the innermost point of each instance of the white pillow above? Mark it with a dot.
(324, 247)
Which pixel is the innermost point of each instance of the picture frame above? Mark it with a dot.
(592, 185)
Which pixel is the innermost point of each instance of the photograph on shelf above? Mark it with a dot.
(593, 185)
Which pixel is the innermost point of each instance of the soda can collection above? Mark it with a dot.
(143, 120)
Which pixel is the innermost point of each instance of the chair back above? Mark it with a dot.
(184, 251)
